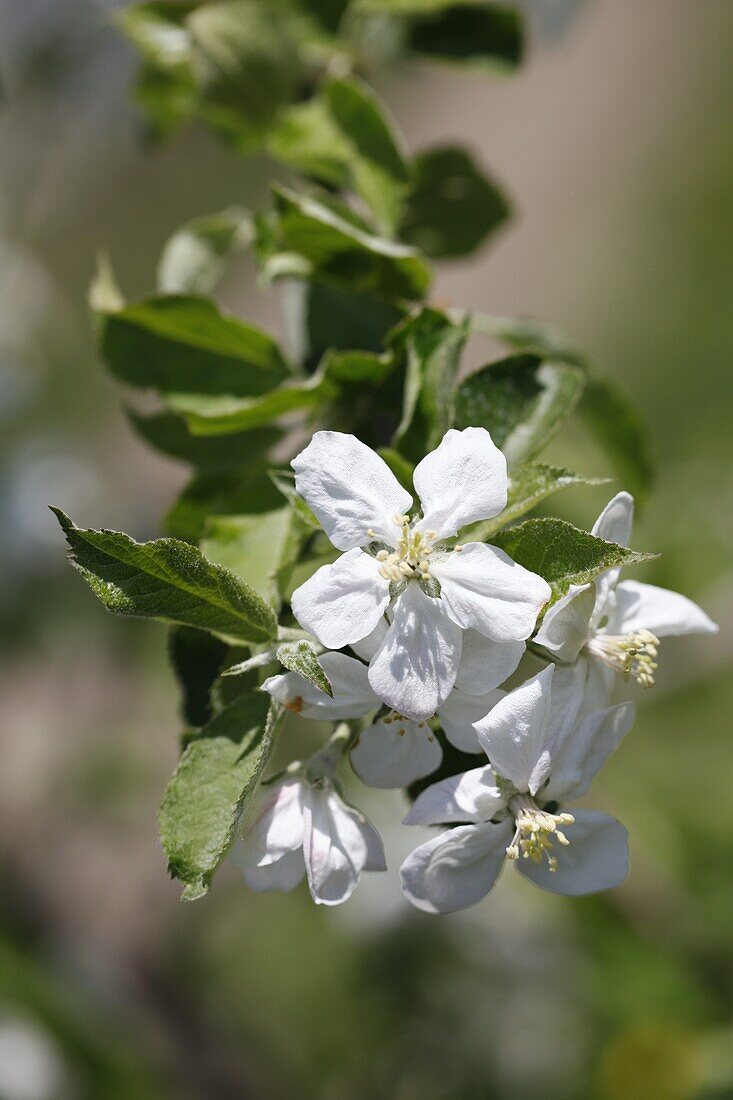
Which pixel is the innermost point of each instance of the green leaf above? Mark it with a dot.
(167, 432)
(522, 401)
(376, 164)
(197, 660)
(284, 482)
(320, 318)
(214, 415)
(340, 372)
(303, 570)
(432, 345)
(306, 137)
(468, 32)
(309, 239)
(300, 657)
(619, 429)
(194, 258)
(158, 30)
(220, 492)
(452, 207)
(206, 800)
(167, 100)
(246, 64)
(167, 580)
(251, 546)
(528, 485)
(562, 553)
(183, 344)
(342, 137)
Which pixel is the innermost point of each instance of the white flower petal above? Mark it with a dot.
(276, 826)
(585, 750)
(515, 733)
(415, 667)
(352, 695)
(597, 857)
(459, 712)
(614, 525)
(375, 860)
(483, 588)
(566, 626)
(646, 607)
(486, 664)
(343, 602)
(334, 847)
(395, 753)
(615, 521)
(367, 647)
(599, 684)
(471, 796)
(284, 874)
(350, 489)
(463, 480)
(567, 702)
(455, 869)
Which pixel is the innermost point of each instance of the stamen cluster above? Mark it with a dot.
(536, 829)
(411, 557)
(632, 654)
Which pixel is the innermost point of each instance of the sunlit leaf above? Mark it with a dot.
(529, 484)
(522, 401)
(300, 657)
(431, 344)
(308, 238)
(167, 580)
(206, 800)
(252, 547)
(194, 258)
(563, 554)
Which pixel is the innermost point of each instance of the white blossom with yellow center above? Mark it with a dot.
(613, 627)
(433, 591)
(541, 755)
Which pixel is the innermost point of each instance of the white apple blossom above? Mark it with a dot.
(302, 826)
(394, 751)
(353, 696)
(613, 627)
(433, 591)
(540, 755)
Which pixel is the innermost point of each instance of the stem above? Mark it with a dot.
(257, 661)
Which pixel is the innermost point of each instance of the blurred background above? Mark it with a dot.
(615, 141)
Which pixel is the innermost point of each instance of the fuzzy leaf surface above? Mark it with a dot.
(562, 553)
(205, 802)
(168, 580)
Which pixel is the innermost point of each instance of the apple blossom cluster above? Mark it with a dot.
(427, 641)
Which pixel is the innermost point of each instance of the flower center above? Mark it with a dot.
(410, 560)
(536, 831)
(630, 654)
(394, 716)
